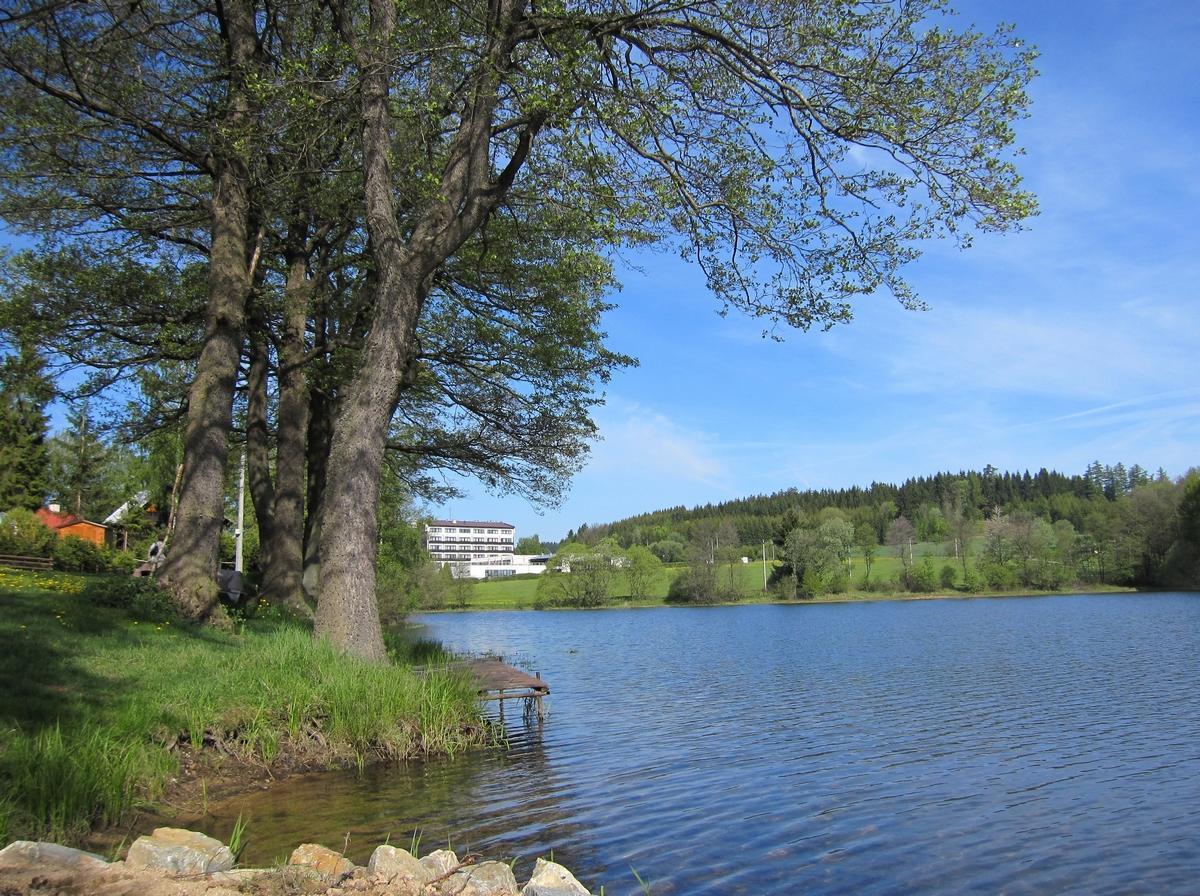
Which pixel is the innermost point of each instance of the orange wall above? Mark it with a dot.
(87, 531)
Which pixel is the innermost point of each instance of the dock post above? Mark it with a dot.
(541, 707)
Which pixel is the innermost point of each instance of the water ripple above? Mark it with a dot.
(1023, 746)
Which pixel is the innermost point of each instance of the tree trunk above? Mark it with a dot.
(190, 568)
(282, 577)
(319, 432)
(347, 613)
(258, 449)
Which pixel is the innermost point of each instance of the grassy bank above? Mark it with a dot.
(102, 702)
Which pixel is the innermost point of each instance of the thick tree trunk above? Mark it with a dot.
(282, 577)
(347, 613)
(190, 567)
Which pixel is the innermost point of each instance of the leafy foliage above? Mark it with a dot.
(23, 533)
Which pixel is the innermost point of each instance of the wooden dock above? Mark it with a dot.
(499, 681)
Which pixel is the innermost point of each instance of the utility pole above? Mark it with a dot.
(764, 546)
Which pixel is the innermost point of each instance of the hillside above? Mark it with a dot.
(981, 494)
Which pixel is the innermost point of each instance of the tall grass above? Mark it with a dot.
(99, 703)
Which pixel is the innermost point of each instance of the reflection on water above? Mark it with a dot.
(1018, 745)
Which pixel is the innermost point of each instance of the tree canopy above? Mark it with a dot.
(414, 180)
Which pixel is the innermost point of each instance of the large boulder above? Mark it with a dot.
(440, 862)
(329, 864)
(484, 879)
(392, 862)
(179, 853)
(552, 879)
(23, 853)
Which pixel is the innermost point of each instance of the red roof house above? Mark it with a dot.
(65, 524)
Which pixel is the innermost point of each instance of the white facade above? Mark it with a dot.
(470, 541)
(500, 567)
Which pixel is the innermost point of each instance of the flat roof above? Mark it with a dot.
(480, 524)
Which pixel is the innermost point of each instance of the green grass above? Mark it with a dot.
(521, 593)
(95, 699)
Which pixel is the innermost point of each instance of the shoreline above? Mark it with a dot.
(845, 598)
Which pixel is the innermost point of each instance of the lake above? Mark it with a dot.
(1017, 745)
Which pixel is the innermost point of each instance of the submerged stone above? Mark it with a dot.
(179, 853)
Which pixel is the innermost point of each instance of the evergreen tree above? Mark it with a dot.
(24, 393)
(80, 467)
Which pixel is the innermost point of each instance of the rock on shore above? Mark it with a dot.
(174, 862)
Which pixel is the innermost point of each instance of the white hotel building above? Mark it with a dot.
(478, 549)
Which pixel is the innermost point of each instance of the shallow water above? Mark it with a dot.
(1023, 745)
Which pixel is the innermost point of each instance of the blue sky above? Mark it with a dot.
(1072, 341)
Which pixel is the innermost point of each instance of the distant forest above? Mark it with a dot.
(1115, 524)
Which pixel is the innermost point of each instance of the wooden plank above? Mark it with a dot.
(494, 675)
(17, 561)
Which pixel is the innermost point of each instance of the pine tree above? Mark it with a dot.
(80, 467)
(24, 393)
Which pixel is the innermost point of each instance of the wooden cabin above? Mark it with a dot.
(65, 524)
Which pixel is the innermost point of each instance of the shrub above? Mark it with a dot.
(812, 583)
(142, 597)
(921, 577)
(21, 532)
(998, 575)
(694, 586)
(74, 554)
(973, 581)
(948, 575)
(120, 562)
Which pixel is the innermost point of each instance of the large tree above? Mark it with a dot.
(138, 119)
(798, 151)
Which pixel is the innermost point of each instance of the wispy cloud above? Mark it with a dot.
(638, 441)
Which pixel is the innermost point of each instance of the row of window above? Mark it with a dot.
(469, 538)
(465, 531)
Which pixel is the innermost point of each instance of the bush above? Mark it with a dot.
(74, 554)
(695, 585)
(142, 597)
(21, 532)
(973, 581)
(948, 575)
(921, 577)
(120, 562)
(998, 575)
(812, 584)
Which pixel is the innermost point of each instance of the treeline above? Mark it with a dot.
(1112, 524)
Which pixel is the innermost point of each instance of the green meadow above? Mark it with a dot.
(520, 592)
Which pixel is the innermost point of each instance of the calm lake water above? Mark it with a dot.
(1023, 745)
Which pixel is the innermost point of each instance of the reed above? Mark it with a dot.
(99, 703)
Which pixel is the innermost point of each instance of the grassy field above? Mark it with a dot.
(521, 593)
(102, 701)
